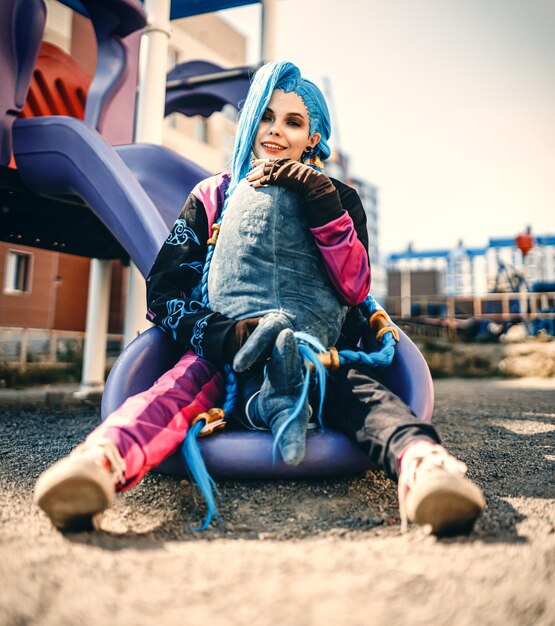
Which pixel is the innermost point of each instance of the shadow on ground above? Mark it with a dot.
(506, 441)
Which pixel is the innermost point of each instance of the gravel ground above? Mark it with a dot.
(294, 553)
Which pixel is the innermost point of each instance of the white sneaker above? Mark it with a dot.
(78, 488)
(434, 490)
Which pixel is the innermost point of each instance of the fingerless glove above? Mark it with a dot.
(321, 199)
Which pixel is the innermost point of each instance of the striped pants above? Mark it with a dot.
(150, 426)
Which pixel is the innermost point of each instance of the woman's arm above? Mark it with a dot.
(337, 222)
(174, 291)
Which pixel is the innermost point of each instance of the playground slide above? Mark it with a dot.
(57, 156)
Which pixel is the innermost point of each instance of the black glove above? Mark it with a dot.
(298, 177)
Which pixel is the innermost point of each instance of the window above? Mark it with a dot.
(18, 272)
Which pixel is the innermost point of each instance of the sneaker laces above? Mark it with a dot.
(106, 453)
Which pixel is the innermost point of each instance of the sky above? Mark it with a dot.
(447, 106)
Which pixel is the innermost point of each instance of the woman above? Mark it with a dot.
(281, 235)
(148, 427)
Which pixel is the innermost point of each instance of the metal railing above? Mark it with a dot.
(441, 315)
(29, 347)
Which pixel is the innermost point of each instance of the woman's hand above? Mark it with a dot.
(290, 174)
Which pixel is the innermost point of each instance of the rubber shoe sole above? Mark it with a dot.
(449, 505)
(73, 492)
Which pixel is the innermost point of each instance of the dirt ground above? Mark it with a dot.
(294, 553)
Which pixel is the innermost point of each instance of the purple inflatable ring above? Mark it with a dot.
(248, 454)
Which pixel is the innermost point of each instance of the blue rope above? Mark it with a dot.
(380, 358)
(308, 348)
(193, 457)
(369, 305)
(294, 415)
(190, 449)
(231, 380)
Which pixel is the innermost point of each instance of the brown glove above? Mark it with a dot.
(236, 337)
(297, 177)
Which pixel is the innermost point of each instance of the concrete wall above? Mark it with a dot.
(422, 283)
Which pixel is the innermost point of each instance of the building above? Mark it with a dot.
(498, 266)
(369, 196)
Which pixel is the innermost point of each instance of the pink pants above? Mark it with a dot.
(150, 426)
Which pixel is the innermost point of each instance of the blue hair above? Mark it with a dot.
(277, 75)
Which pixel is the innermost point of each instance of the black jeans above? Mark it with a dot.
(373, 417)
(359, 406)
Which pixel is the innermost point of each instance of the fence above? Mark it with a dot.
(437, 315)
(28, 347)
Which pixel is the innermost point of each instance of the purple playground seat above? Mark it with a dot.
(21, 29)
(62, 155)
(247, 454)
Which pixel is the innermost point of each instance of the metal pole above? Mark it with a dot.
(135, 321)
(269, 30)
(149, 128)
(405, 292)
(152, 73)
(94, 350)
(23, 349)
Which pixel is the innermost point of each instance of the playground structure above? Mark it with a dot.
(70, 180)
(512, 298)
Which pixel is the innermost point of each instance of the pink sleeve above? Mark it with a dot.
(211, 192)
(345, 258)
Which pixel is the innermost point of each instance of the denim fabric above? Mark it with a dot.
(374, 418)
(274, 406)
(266, 261)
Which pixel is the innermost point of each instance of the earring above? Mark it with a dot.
(311, 158)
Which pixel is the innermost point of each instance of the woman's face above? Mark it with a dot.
(284, 128)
